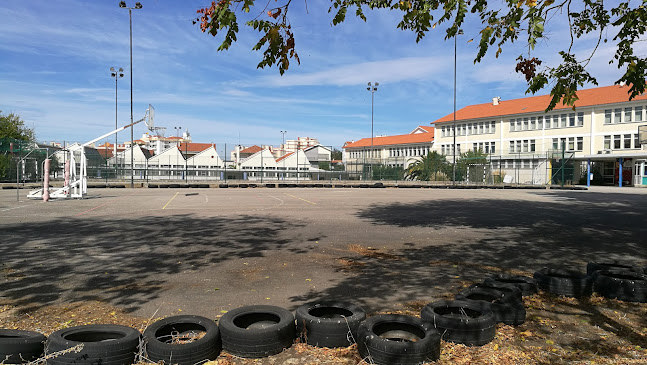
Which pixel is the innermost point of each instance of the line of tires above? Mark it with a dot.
(261, 330)
(609, 279)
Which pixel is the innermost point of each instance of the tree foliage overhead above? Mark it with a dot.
(12, 127)
(502, 23)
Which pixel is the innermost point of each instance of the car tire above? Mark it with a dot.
(257, 331)
(506, 308)
(18, 346)
(509, 289)
(329, 323)
(158, 339)
(569, 283)
(105, 344)
(394, 339)
(594, 266)
(527, 285)
(461, 321)
(628, 286)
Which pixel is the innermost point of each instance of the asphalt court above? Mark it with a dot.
(204, 251)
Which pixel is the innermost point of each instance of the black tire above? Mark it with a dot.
(628, 286)
(174, 186)
(527, 285)
(506, 307)
(270, 185)
(223, 186)
(569, 283)
(18, 346)
(105, 344)
(257, 331)
(509, 289)
(393, 339)
(158, 339)
(461, 321)
(153, 186)
(593, 266)
(329, 323)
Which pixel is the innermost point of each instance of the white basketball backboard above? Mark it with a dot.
(150, 117)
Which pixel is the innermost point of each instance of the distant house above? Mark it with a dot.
(393, 151)
(318, 156)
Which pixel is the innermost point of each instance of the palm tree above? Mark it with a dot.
(428, 167)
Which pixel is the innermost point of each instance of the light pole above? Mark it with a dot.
(459, 32)
(117, 75)
(177, 144)
(372, 89)
(283, 150)
(138, 5)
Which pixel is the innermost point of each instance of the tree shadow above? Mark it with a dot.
(567, 230)
(125, 261)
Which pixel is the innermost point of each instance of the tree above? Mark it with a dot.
(428, 168)
(336, 154)
(12, 127)
(622, 23)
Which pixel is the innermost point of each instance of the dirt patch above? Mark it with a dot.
(372, 252)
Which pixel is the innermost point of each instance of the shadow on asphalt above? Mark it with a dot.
(124, 261)
(509, 235)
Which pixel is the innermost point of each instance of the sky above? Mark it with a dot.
(55, 58)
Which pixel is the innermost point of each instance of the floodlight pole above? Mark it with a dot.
(117, 74)
(138, 5)
(283, 150)
(372, 89)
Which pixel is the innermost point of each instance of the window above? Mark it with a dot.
(638, 113)
(563, 120)
(493, 127)
(627, 141)
(571, 144)
(571, 120)
(607, 142)
(525, 124)
(519, 124)
(540, 123)
(628, 114)
(555, 143)
(512, 147)
(493, 145)
(617, 114)
(532, 145)
(616, 142)
(525, 145)
(607, 116)
(636, 141)
(580, 119)
(480, 128)
(533, 123)
(512, 125)
(580, 144)
(555, 121)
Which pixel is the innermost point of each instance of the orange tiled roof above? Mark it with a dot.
(588, 97)
(392, 140)
(194, 147)
(284, 156)
(428, 129)
(252, 149)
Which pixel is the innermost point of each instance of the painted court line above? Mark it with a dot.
(305, 200)
(169, 202)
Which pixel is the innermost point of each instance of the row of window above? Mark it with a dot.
(621, 141)
(522, 145)
(626, 115)
(448, 149)
(547, 122)
(487, 147)
(409, 151)
(469, 129)
(515, 164)
(393, 152)
(569, 144)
